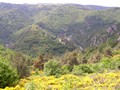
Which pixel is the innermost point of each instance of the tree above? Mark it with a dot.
(70, 58)
(22, 64)
(8, 74)
(39, 63)
(52, 67)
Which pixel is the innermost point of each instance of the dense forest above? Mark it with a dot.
(59, 47)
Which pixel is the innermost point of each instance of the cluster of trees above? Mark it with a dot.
(13, 66)
(72, 64)
(78, 62)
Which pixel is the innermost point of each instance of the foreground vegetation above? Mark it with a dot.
(102, 75)
(104, 81)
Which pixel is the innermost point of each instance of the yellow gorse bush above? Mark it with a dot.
(104, 81)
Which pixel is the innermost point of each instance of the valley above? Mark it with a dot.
(59, 47)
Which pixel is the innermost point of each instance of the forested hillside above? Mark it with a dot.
(27, 28)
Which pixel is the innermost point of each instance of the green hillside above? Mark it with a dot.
(33, 41)
(41, 28)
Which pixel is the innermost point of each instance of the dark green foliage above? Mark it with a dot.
(66, 69)
(69, 58)
(112, 42)
(112, 63)
(107, 64)
(19, 61)
(52, 67)
(8, 74)
(22, 64)
(41, 60)
(80, 69)
(108, 52)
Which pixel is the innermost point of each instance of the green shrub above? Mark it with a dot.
(8, 74)
(66, 69)
(22, 64)
(107, 63)
(84, 68)
(52, 67)
(19, 61)
(69, 58)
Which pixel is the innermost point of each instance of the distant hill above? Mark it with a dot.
(95, 7)
(56, 28)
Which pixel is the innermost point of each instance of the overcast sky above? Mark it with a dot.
(84, 2)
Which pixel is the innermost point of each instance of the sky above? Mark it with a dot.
(83, 2)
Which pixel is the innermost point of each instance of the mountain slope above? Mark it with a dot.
(41, 28)
(34, 41)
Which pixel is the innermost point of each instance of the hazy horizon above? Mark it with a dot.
(109, 3)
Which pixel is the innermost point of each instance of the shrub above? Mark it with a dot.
(52, 67)
(66, 69)
(22, 64)
(77, 70)
(108, 53)
(107, 63)
(69, 58)
(39, 63)
(8, 74)
(96, 57)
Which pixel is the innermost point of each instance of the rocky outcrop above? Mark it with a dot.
(97, 40)
(112, 29)
(118, 39)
